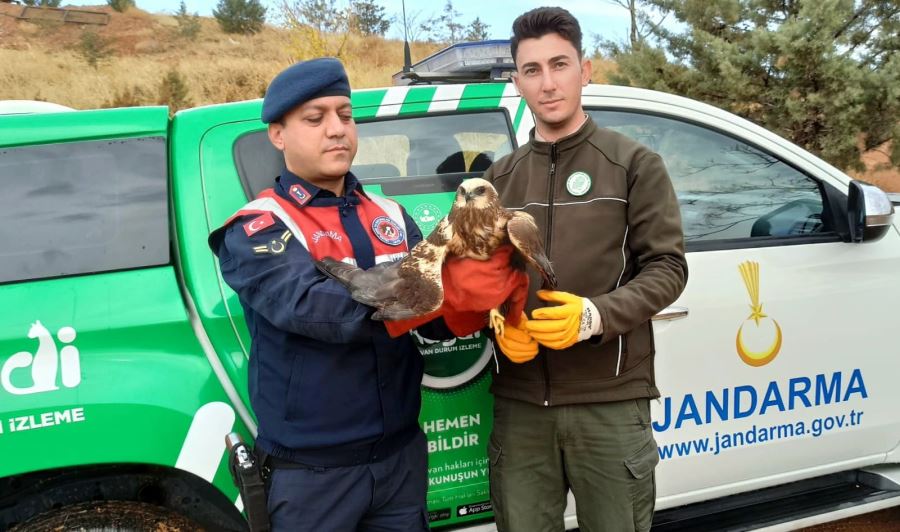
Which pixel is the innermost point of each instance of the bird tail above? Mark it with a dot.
(548, 276)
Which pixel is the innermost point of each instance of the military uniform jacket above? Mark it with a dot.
(328, 385)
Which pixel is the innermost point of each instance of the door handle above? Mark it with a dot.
(671, 313)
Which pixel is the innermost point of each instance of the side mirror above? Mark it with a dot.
(870, 212)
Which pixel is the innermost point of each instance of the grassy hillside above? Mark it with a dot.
(45, 61)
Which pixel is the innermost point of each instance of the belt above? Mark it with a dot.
(285, 458)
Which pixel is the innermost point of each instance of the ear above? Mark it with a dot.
(275, 135)
(587, 70)
(515, 79)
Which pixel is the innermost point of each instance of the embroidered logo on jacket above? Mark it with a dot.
(319, 235)
(275, 246)
(578, 184)
(387, 231)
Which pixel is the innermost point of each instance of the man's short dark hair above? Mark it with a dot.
(543, 21)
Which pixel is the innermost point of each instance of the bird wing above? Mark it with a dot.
(524, 235)
(405, 289)
(420, 290)
(372, 287)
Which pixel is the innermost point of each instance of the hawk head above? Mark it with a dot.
(475, 193)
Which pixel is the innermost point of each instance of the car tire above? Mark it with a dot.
(109, 516)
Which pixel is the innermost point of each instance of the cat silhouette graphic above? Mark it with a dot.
(44, 363)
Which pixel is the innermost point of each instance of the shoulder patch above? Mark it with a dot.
(388, 231)
(259, 223)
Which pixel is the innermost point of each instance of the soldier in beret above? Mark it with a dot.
(336, 397)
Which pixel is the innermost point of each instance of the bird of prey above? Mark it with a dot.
(476, 227)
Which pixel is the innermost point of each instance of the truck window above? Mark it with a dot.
(83, 207)
(405, 155)
(727, 188)
(431, 153)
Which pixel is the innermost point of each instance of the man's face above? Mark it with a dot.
(550, 75)
(318, 138)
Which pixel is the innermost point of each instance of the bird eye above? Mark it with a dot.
(479, 191)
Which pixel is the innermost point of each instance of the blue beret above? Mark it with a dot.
(302, 82)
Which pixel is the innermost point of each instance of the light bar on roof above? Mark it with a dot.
(468, 61)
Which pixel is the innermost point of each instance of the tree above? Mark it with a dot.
(368, 18)
(240, 16)
(634, 36)
(93, 48)
(120, 5)
(188, 25)
(173, 91)
(444, 27)
(823, 73)
(317, 28)
(412, 28)
(477, 31)
(322, 15)
(642, 22)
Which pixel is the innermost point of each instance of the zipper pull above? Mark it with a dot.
(553, 156)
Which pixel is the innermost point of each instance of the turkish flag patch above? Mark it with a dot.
(258, 224)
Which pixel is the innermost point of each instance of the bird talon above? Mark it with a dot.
(497, 321)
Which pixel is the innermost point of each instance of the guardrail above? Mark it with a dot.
(64, 15)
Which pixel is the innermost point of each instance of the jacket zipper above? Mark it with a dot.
(553, 157)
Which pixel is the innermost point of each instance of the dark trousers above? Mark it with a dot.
(603, 452)
(388, 495)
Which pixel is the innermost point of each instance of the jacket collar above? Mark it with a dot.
(588, 127)
(301, 192)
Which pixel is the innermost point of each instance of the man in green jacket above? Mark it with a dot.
(572, 396)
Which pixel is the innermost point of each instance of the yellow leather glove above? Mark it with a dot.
(563, 325)
(516, 343)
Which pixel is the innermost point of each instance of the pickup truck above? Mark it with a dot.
(123, 354)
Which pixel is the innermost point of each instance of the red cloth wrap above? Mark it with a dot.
(471, 289)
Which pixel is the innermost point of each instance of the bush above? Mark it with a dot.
(173, 91)
(43, 3)
(240, 16)
(129, 97)
(188, 25)
(120, 5)
(93, 48)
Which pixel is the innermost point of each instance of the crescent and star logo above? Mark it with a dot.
(275, 246)
(763, 331)
(258, 224)
(299, 194)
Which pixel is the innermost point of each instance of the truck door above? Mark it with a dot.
(98, 361)
(779, 363)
